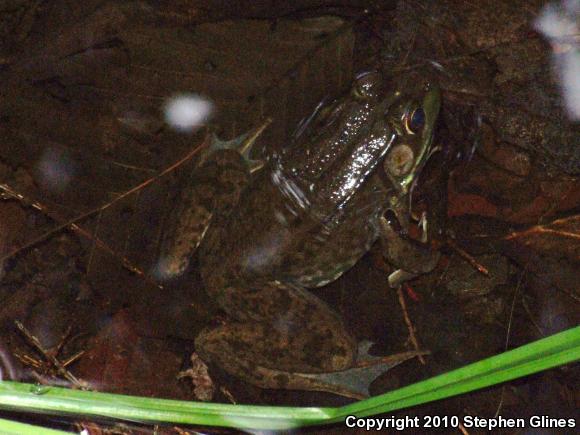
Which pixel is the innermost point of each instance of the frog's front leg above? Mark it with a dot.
(284, 337)
(214, 187)
(412, 258)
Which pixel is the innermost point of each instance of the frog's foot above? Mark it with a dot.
(399, 277)
(242, 144)
(285, 337)
(355, 382)
(411, 257)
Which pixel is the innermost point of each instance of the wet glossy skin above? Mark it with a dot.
(299, 223)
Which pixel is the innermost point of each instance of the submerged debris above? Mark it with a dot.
(204, 387)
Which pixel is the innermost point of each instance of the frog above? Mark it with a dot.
(269, 232)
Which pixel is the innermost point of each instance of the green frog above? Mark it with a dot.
(268, 232)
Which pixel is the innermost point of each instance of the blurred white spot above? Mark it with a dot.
(280, 217)
(559, 23)
(187, 112)
(265, 250)
(168, 268)
(437, 65)
(55, 170)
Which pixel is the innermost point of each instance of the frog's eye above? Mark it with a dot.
(415, 120)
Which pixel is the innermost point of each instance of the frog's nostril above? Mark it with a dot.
(400, 160)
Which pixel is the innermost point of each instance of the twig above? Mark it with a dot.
(467, 257)
(516, 292)
(409, 324)
(508, 332)
(229, 395)
(529, 313)
(462, 429)
(63, 340)
(539, 229)
(51, 358)
(73, 226)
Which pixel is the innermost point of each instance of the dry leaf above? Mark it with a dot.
(551, 251)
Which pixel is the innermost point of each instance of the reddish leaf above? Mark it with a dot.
(120, 361)
(551, 251)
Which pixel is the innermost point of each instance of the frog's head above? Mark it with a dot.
(413, 118)
(374, 128)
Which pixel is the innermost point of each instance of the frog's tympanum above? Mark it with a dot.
(268, 233)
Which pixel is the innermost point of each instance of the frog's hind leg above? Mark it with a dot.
(284, 337)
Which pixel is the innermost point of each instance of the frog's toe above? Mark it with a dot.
(243, 144)
(355, 382)
(399, 277)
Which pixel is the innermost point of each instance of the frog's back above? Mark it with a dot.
(309, 215)
(270, 233)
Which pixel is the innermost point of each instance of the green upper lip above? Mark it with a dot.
(431, 105)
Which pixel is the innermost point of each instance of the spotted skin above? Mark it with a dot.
(215, 184)
(299, 223)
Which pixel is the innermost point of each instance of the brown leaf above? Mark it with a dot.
(551, 251)
(204, 387)
(486, 189)
(119, 360)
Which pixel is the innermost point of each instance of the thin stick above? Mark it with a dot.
(76, 228)
(229, 395)
(462, 429)
(73, 358)
(409, 324)
(467, 257)
(50, 358)
(541, 229)
(508, 332)
(529, 313)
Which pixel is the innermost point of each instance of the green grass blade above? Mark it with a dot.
(9, 427)
(543, 354)
(56, 400)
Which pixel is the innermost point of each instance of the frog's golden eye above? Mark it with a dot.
(415, 120)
